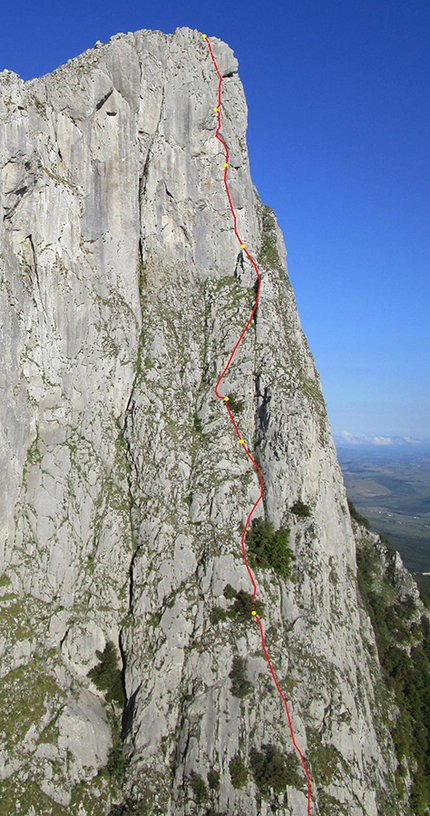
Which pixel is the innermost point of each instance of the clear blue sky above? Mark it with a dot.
(339, 140)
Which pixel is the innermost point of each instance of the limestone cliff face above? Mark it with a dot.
(124, 491)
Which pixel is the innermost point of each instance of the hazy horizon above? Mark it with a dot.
(382, 442)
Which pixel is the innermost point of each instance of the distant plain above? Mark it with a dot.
(391, 488)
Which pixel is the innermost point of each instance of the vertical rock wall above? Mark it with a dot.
(124, 491)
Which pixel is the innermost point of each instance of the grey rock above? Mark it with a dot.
(84, 732)
(123, 488)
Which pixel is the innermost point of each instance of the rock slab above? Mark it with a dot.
(123, 490)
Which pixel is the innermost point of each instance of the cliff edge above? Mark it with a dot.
(124, 492)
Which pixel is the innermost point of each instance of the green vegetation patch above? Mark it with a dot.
(14, 623)
(240, 684)
(229, 592)
(353, 512)
(268, 255)
(26, 694)
(240, 611)
(238, 772)
(213, 780)
(197, 422)
(91, 799)
(199, 789)
(329, 806)
(5, 581)
(404, 655)
(235, 404)
(326, 760)
(117, 763)
(243, 607)
(18, 789)
(151, 796)
(212, 812)
(269, 549)
(107, 675)
(218, 615)
(301, 509)
(274, 770)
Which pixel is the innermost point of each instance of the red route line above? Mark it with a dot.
(235, 426)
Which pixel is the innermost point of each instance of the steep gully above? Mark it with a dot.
(225, 399)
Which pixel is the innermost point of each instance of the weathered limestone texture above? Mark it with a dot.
(123, 489)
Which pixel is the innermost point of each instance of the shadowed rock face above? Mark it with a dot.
(123, 490)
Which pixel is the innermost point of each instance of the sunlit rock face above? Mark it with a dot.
(123, 489)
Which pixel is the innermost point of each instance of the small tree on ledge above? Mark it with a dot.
(269, 549)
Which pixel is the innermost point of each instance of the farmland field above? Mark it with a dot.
(391, 488)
